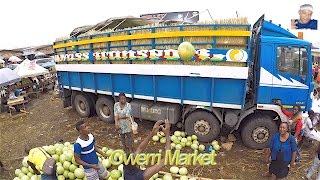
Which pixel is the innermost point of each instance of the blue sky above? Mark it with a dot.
(33, 22)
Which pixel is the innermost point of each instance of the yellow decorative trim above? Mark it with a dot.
(156, 35)
(290, 107)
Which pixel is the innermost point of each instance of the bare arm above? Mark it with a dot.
(146, 141)
(293, 159)
(79, 161)
(150, 171)
(100, 151)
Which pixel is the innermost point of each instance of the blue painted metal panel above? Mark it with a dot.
(121, 83)
(168, 87)
(74, 79)
(264, 95)
(197, 89)
(103, 82)
(229, 91)
(290, 96)
(87, 80)
(284, 41)
(143, 85)
(270, 29)
(64, 78)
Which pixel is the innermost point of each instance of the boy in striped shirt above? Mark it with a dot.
(85, 153)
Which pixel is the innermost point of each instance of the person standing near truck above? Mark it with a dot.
(282, 152)
(122, 115)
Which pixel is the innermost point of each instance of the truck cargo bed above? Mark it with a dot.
(216, 86)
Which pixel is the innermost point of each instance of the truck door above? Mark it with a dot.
(290, 79)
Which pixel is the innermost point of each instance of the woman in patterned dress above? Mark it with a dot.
(122, 114)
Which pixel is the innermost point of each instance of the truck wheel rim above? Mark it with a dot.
(104, 111)
(82, 106)
(202, 127)
(260, 135)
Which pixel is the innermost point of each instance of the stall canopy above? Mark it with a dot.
(14, 59)
(30, 69)
(112, 24)
(7, 76)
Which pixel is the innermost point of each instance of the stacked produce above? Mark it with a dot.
(180, 140)
(160, 43)
(67, 168)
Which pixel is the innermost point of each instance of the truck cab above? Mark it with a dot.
(282, 72)
(285, 73)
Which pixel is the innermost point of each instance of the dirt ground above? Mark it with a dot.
(48, 123)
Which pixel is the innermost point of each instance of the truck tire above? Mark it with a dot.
(203, 124)
(258, 130)
(104, 109)
(93, 99)
(83, 105)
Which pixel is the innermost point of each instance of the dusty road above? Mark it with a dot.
(48, 122)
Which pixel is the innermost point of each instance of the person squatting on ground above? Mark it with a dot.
(132, 172)
(316, 164)
(282, 152)
(13, 93)
(308, 129)
(315, 106)
(122, 114)
(37, 157)
(85, 153)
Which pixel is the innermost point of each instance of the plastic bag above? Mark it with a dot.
(134, 126)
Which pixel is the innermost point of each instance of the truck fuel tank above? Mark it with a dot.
(149, 110)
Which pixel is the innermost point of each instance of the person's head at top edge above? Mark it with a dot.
(122, 98)
(305, 21)
(82, 127)
(27, 148)
(305, 13)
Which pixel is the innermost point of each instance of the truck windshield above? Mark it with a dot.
(292, 60)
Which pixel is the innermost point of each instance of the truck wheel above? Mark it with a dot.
(258, 131)
(104, 109)
(202, 124)
(83, 105)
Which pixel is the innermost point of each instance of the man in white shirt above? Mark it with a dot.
(315, 107)
(308, 130)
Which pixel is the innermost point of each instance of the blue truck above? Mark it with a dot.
(233, 81)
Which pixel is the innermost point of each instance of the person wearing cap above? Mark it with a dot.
(305, 21)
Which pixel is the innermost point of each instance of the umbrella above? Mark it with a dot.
(39, 54)
(14, 59)
(7, 76)
(30, 69)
